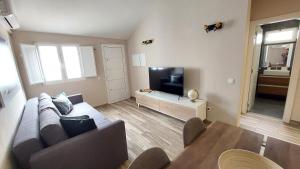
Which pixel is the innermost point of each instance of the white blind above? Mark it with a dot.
(32, 64)
(281, 36)
(88, 61)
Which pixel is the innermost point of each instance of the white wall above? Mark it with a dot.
(209, 59)
(93, 89)
(271, 8)
(9, 118)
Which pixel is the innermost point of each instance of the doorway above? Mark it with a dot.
(115, 71)
(272, 65)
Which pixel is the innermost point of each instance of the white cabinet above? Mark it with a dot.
(179, 107)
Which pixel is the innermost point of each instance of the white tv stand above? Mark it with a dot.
(179, 107)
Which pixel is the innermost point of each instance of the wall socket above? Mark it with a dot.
(208, 108)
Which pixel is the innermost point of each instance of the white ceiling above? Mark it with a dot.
(101, 18)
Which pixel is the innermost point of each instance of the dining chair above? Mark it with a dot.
(153, 158)
(192, 129)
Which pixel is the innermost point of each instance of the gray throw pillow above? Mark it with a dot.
(63, 104)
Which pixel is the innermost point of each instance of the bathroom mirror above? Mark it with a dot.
(278, 56)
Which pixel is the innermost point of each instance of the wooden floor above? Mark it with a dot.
(146, 128)
(271, 127)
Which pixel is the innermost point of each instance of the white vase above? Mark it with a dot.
(193, 94)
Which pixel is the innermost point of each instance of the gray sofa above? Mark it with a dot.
(41, 142)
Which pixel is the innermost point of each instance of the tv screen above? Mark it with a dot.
(167, 79)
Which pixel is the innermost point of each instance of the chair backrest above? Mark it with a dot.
(192, 129)
(153, 158)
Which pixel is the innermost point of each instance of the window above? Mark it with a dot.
(281, 36)
(72, 62)
(47, 63)
(50, 63)
(32, 64)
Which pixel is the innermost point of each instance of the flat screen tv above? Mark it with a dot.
(167, 79)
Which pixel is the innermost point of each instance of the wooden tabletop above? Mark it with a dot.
(285, 154)
(219, 137)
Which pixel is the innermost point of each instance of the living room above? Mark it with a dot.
(172, 75)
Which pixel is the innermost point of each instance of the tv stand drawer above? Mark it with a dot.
(148, 102)
(174, 110)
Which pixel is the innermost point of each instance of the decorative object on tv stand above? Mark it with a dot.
(193, 94)
(213, 27)
(146, 90)
(147, 42)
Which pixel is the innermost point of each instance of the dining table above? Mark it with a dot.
(205, 150)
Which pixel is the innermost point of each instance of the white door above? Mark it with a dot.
(255, 66)
(115, 72)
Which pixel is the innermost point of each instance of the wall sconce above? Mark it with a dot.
(147, 42)
(213, 27)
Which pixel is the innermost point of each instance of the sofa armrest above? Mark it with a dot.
(101, 148)
(76, 98)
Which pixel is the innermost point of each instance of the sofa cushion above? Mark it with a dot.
(27, 139)
(85, 109)
(51, 129)
(63, 104)
(45, 102)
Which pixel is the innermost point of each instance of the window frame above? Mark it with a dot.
(61, 62)
(59, 59)
(294, 30)
(26, 65)
(64, 65)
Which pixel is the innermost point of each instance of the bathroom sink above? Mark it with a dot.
(243, 159)
(277, 72)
